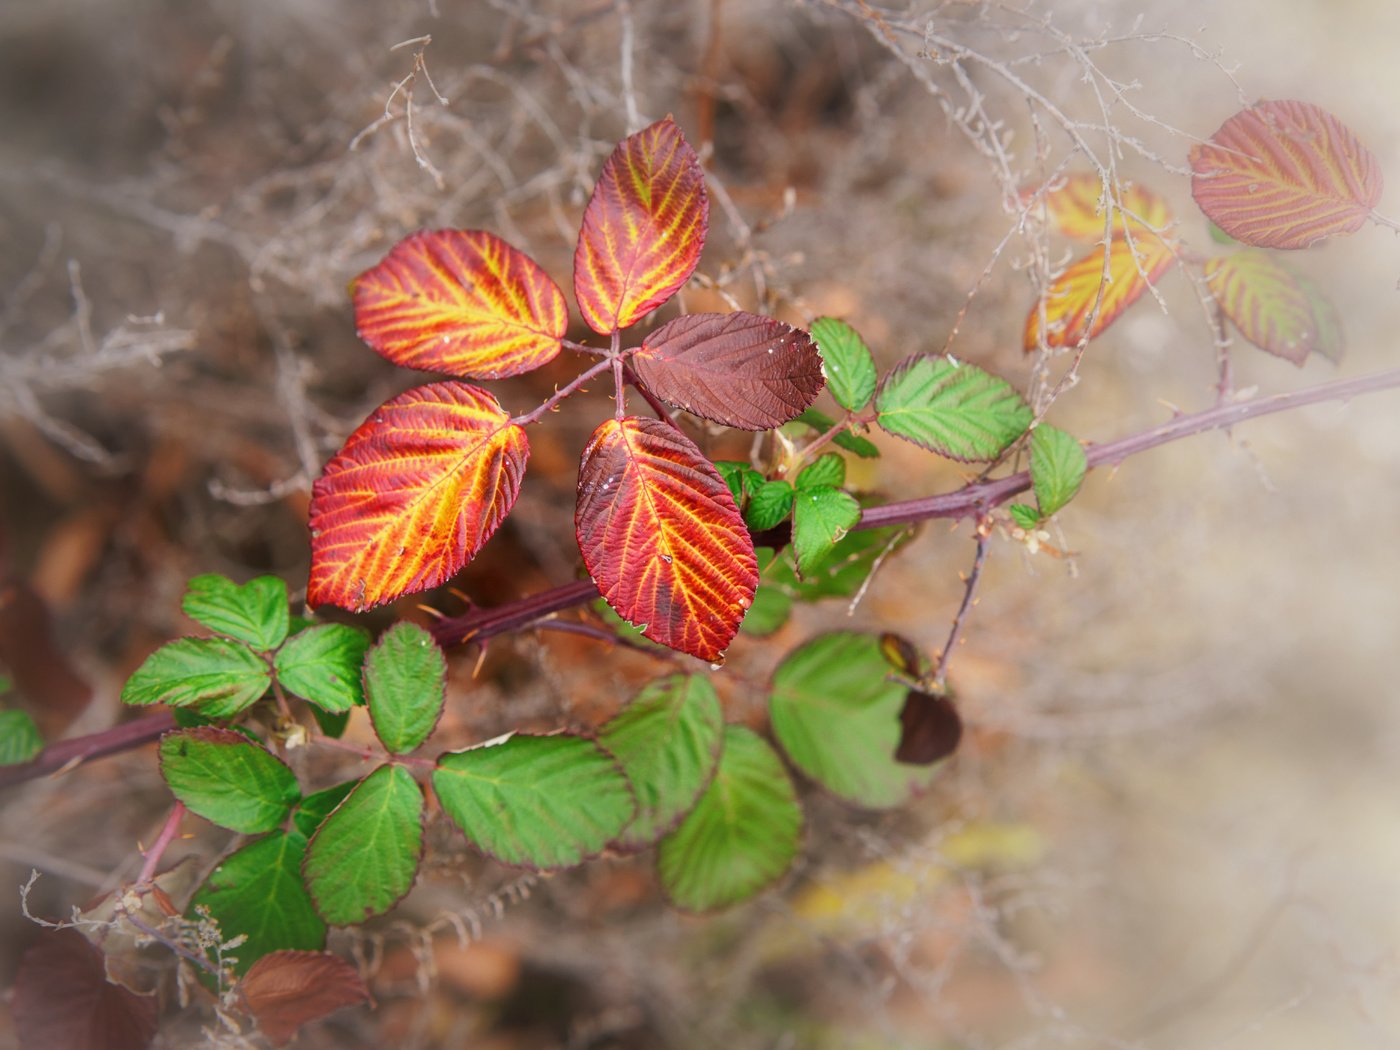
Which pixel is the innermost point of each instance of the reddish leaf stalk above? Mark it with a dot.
(163, 840)
(974, 577)
(559, 395)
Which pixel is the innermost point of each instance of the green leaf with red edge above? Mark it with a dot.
(643, 229)
(1285, 174)
(288, 989)
(463, 302)
(1269, 304)
(1069, 302)
(738, 369)
(662, 538)
(364, 856)
(413, 495)
(1074, 205)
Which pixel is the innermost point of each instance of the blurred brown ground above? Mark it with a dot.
(1176, 824)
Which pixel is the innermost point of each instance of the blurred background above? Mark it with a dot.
(1174, 822)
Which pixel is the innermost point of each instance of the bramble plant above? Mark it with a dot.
(684, 551)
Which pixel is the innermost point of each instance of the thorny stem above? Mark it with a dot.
(619, 387)
(822, 440)
(940, 675)
(970, 501)
(370, 754)
(559, 395)
(596, 351)
(163, 840)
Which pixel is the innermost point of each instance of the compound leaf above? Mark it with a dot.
(1058, 465)
(738, 369)
(668, 740)
(257, 892)
(1285, 175)
(847, 363)
(413, 495)
(1070, 301)
(821, 517)
(405, 677)
(643, 229)
(821, 423)
(288, 989)
(228, 779)
(1074, 204)
(322, 664)
(741, 836)
(19, 738)
(539, 802)
(221, 676)
(463, 302)
(364, 856)
(255, 613)
(954, 409)
(661, 536)
(836, 715)
(1271, 306)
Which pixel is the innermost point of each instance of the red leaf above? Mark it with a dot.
(1285, 175)
(930, 728)
(63, 1000)
(643, 229)
(413, 495)
(662, 538)
(285, 990)
(738, 369)
(1269, 304)
(462, 302)
(1069, 302)
(1073, 205)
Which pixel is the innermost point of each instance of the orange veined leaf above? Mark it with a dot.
(1074, 204)
(1285, 175)
(643, 229)
(463, 302)
(1272, 306)
(413, 495)
(661, 536)
(1069, 302)
(738, 369)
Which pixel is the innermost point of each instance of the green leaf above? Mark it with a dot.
(1058, 465)
(540, 802)
(322, 664)
(331, 725)
(255, 613)
(258, 892)
(315, 808)
(956, 410)
(1025, 516)
(823, 515)
(19, 738)
(228, 779)
(733, 475)
(837, 717)
(1329, 337)
(769, 506)
(741, 836)
(829, 470)
(821, 423)
(846, 362)
(6, 684)
(364, 857)
(405, 678)
(667, 739)
(624, 630)
(222, 677)
(1219, 236)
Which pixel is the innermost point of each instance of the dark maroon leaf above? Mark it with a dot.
(285, 990)
(738, 369)
(930, 729)
(63, 1000)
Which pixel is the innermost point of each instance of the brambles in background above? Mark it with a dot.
(1281, 175)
